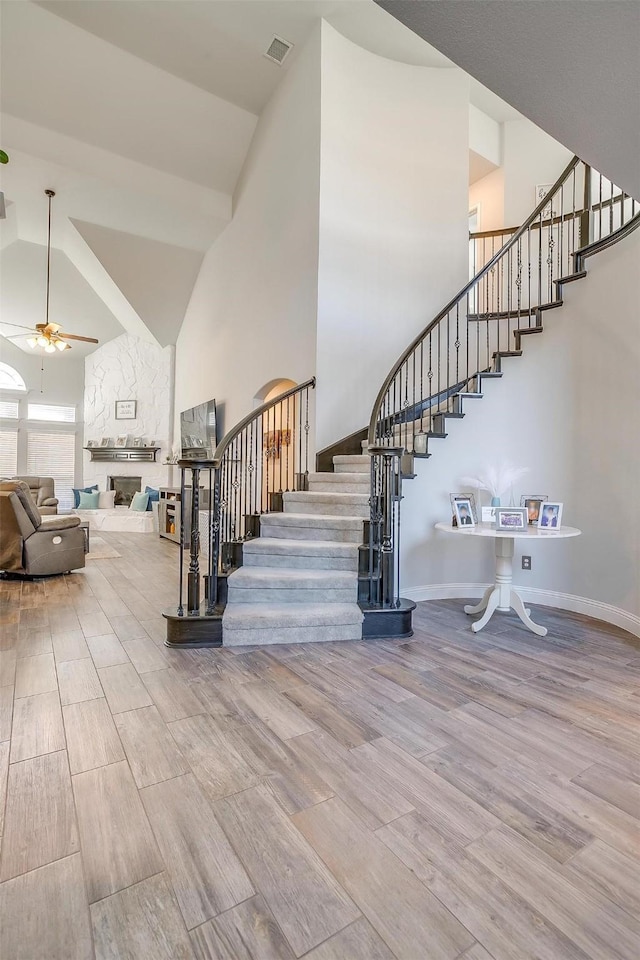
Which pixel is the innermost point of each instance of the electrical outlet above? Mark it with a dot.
(526, 563)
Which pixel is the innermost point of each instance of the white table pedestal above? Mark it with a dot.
(503, 596)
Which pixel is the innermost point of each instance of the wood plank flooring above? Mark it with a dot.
(449, 797)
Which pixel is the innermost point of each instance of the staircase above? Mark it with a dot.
(299, 579)
(295, 556)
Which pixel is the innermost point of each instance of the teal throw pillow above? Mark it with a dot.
(154, 496)
(78, 490)
(88, 501)
(139, 502)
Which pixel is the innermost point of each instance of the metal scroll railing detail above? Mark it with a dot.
(266, 455)
(516, 276)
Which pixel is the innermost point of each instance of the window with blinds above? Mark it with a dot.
(53, 455)
(9, 409)
(8, 453)
(52, 412)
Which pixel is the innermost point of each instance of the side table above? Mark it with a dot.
(502, 595)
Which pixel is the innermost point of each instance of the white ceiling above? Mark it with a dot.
(218, 45)
(570, 66)
(139, 113)
(73, 302)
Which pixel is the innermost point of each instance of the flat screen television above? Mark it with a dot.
(198, 431)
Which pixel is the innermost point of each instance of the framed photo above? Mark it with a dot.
(125, 409)
(550, 516)
(532, 502)
(151, 443)
(542, 191)
(90, 443)
(488, 514)
(106, 442)
(511, 518)
(463, 512)
(470, 498)
(121, 441)
(137, 442)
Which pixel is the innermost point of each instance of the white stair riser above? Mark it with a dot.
(300, 562)
(294, 595)
(335, 509)
(266, 637)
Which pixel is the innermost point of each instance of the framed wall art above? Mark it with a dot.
(125, 409)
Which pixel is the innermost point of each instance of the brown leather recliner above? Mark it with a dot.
(31, 545)
(43, 492)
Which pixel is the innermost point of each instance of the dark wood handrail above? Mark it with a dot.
(504, 231)
(254, 415)
(463, 293)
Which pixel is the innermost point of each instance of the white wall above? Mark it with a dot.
(128, 368)
(485, 135)
(529, 157)
(488, 195)
(252, 315)
(568, 409)
(393, 219)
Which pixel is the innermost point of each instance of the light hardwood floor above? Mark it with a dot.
(450, 796)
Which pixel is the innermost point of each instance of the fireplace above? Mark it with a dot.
(125, 487)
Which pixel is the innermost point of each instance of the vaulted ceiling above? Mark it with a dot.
(139, 114)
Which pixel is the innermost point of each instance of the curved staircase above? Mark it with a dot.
(295, 556)
(299, 579)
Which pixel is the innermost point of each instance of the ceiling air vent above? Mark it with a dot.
(278, 50)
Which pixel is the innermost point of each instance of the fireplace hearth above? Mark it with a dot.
(125, 487)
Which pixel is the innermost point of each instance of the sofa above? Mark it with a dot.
(31, 545)
(43, 492)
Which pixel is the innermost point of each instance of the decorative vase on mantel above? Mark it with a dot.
(495, 501)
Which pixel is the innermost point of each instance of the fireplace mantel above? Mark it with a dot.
(132, 454)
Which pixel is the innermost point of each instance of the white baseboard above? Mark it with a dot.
(546, 598)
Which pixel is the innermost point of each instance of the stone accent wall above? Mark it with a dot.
(128, 368)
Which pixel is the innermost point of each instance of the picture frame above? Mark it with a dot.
(488, 514)
(91, 443)
(532, 502)
(121, 441)
(542, 191)
(125, 409)
(106, 442)
(464, 496)
(151, 443)
(550, 516)
(512, 518)
(463, 513)
(137, 442)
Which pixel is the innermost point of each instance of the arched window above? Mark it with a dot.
(10, 379)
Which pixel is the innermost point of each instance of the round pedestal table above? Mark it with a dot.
(503, 596)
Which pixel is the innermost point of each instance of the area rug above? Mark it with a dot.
(100, 550)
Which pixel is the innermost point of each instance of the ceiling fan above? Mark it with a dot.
(47, 335)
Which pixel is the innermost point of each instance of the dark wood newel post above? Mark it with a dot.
(193, 578)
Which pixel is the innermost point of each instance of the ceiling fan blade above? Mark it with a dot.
(20, 326)
(73, 336)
